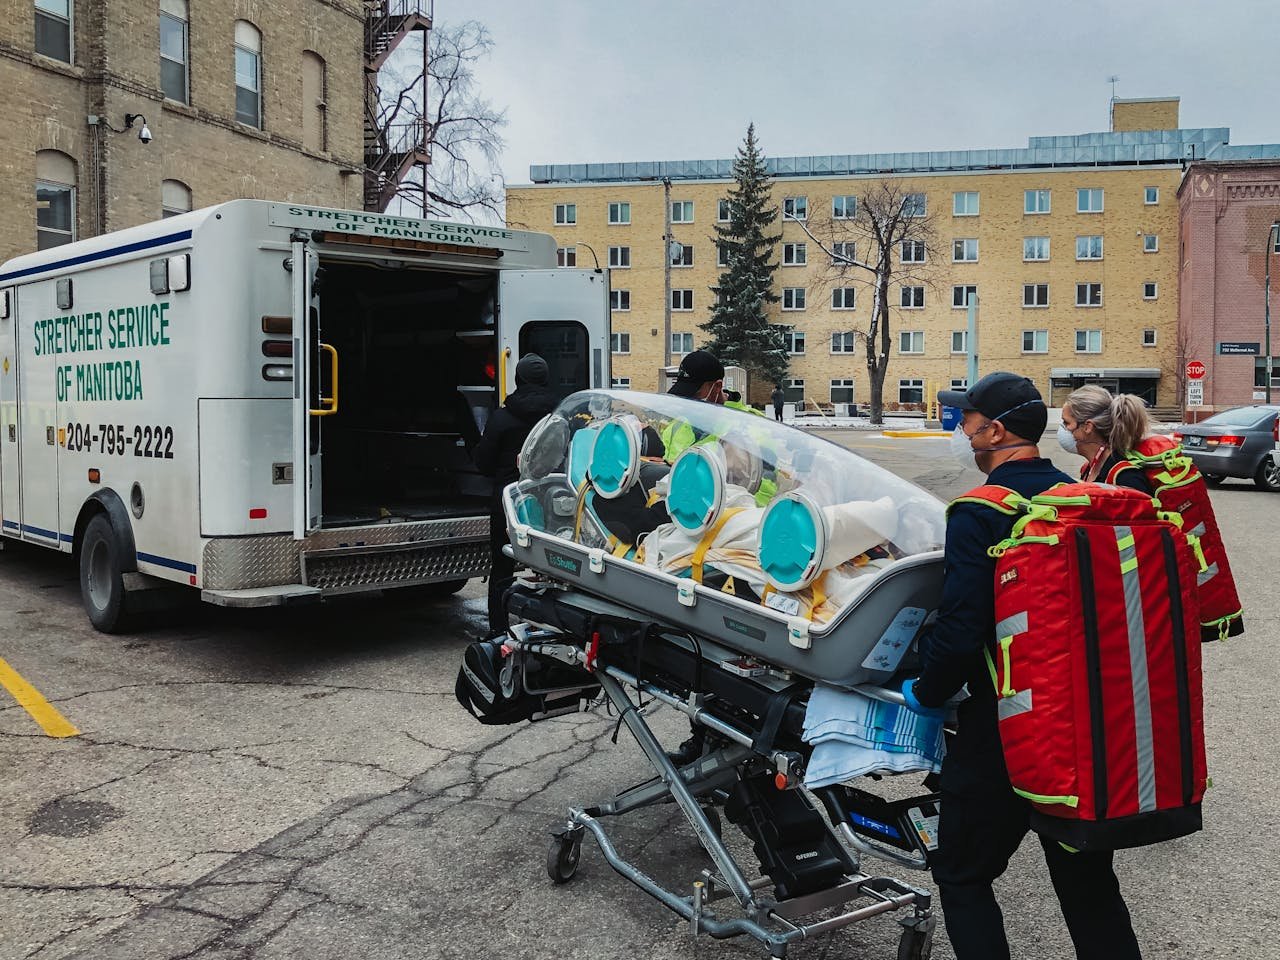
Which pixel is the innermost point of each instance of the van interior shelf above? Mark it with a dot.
(478, 388)
(474, 334)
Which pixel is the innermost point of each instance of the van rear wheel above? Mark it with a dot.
(102, 577)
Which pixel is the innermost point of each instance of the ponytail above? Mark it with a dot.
(1120, 420)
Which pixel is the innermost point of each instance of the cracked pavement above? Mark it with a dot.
(263, 784)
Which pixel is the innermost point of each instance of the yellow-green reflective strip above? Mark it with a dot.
(1045, 798)
(1067, 847)
(1048, 498)
(1128, 566)
(1125, 542)
(991, 665)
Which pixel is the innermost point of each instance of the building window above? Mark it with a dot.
(1035, 294)
(620, 258)
(794, 340)
(681, 299)
(914, 205)
(619, 343)
(1275, 248)
(620, 383)
(795, 254)
(959, 341)
(175, 198)
(1149, 337)
(722, 210)
(1035, 341)
(566, 256)
(1088, 341)
(1089, 248)
(793, 390)
(1088, 294)
(845, 342)
(55, 199)
(844, 208)
(842, 251)
(911, 391)
(911, 298)
(964, 204)
(173, 50)
(1035, 201)
(844, 298)
(1150, 195)
(1149, 290)
(682, 343)
(682, 257)
(842, 391)
(1035, 248)
(912, 251)
(53, 29)
(1089, 200)
(619, 213)
(964, 251)
(961, 295)
(619, 299)
(1150, 243)
(911, 341)
(793, 298)
(959, 383)
(315, 107)
(795, 208)
(248, 57)
(566, 214)
(682, 211)
(722, 254)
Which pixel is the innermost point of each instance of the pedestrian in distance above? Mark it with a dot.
(1105, 429)
(777, 398)
(496, 456)
(983, 821)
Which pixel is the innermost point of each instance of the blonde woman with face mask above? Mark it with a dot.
(1103, 429)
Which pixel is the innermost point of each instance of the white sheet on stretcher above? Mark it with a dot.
(854, 735)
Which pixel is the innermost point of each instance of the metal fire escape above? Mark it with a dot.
(392, 150)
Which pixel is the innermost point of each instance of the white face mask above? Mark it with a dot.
(1066, 439)
(962, 448)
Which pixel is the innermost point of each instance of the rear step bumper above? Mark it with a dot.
(288, 593)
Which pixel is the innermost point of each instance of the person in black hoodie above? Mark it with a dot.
(495, 456)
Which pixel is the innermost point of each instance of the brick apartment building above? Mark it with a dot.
(1226, 211)
(243, 98)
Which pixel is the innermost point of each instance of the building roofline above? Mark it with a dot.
(1146, 100)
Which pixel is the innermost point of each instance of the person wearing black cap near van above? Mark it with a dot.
(495, 456)
(983, 821)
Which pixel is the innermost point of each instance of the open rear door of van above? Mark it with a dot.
(563, 316)
(308, 404)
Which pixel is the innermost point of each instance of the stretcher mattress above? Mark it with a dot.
(785, 547)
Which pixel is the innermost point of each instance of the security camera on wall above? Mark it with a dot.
(145, 134)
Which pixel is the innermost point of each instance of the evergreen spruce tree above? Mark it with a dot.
(739, 328)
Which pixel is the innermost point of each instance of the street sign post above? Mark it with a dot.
(1195, 393)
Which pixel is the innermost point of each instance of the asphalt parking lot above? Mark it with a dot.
(303, 784)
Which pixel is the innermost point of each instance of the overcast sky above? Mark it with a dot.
(607, 80)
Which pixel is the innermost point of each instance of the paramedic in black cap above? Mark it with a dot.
(495, 456)
(983, 821)
(701, 377)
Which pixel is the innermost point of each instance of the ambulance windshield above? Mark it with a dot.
(664, 480)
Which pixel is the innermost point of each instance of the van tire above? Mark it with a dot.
(102, 576)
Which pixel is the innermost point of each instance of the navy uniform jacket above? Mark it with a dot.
(952, 653)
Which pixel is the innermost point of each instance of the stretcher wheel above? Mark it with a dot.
(916, 942)
(562, 857)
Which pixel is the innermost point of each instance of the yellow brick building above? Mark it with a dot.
(1070, 243)
(242, 98)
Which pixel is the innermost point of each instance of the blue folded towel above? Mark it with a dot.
(853, 735)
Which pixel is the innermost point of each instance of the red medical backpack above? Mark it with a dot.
(1096, 665)
(1181, 489)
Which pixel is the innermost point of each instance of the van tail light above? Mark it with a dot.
(1177, 437)
(277, 348)
(1275, 429)
(277, 371)
(279, 326)
(1226, 440)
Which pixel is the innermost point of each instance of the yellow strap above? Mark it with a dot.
(620, 549)
(700, 551)
(819, 596)
(654, 497)
(582, 505)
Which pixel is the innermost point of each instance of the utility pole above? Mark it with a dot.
(1273, 238)
(971, 339)
(666, 270)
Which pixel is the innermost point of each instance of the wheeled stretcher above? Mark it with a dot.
(726, 589)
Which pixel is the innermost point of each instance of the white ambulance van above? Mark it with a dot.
(274, 402)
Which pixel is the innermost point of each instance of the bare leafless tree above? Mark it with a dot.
(888, 215)
(463, 129)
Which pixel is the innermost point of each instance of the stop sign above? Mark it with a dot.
(1195, 369)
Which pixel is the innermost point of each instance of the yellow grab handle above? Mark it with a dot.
(329, 405)
(502, 374)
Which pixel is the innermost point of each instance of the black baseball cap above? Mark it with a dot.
(1007, 397)
(696, 369)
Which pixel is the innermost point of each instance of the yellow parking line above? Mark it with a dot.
(42, 711)
(917, 434)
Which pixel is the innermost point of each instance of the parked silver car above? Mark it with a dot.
(1241, 442)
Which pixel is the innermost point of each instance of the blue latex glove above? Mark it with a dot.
(909, 694)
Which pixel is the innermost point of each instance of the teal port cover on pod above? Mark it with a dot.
(615, 458)
(793, 541)
(695, 497)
